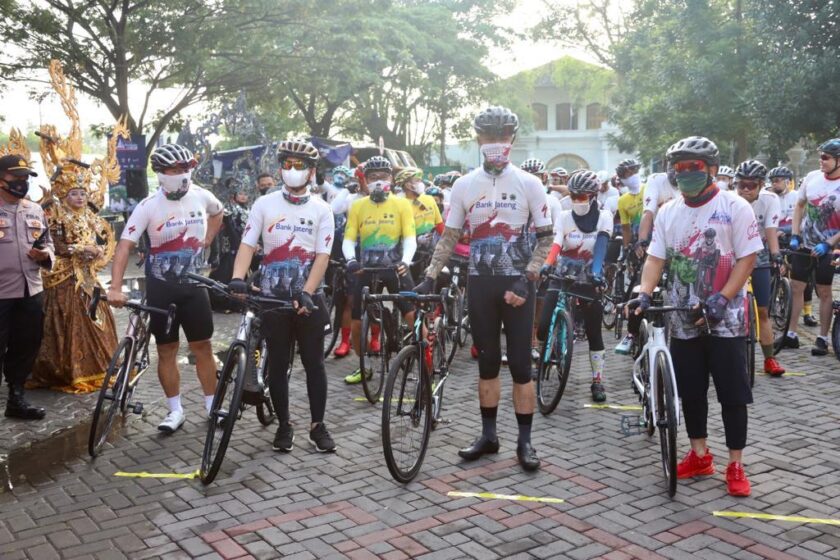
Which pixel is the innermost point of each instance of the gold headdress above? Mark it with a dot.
(16, 146)
(62, 156)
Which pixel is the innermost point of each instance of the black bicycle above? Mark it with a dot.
(457, 317)
(335, 295)
(128, 364)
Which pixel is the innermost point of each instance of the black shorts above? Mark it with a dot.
(801, 267)
(194, 314)
(387, 280)
(761, 280)
(725, 359)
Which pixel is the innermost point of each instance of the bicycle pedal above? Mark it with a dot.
(137, 408)
(632, 424)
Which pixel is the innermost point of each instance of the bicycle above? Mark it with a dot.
(335, 296)
(556, 350)
(457, 323)
(128, 364)
(656, 386)
(781, 300)
(243, 379)
(626, 279)
(413, 396)
(753, 330)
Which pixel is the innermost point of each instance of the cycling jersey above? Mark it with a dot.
(787, 204)
(657, 192)
(379, 228)
(500, 209)
(566, 202)
(822, 212)
(702, 245)
(630, 210)
(766, 210)
(176, 231)
(292, 234)
(609, 200)
(426, 219)
(575, 257)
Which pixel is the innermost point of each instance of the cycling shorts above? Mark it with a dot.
(725, 359)
(194, 314)
(387, 280)
(761, 286)
(613, 251)
(802, 266)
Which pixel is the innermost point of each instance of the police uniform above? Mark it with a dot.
(22, 227)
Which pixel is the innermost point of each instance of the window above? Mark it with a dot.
(569, 161)
(594, 116)
(566, 117)
(540, 116)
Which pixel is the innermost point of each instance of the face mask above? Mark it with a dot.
(581, 208)
(295, 178)
(692, 182)
(723, 185)
(175, 186)
(18, 188)
(418, 188)
(379, 190)
(497, 155)
(338, 181)
(633, 184)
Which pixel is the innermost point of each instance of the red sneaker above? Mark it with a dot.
(474, 352)
(693, 465)
(773, 367)
(344, 347)
(374, 339)
(736, 480)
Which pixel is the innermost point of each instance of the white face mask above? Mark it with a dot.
(723, 185)
(633, 183)
(496, 154)
(581, 208)
(295, 178)
(174, 183)
(418, 188)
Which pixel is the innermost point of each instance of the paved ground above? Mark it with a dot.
(306, 505)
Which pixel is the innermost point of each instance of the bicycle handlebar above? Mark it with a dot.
(224, 290)
(135, 306)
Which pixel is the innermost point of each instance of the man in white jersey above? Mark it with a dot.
(659, 190)
(180, 220)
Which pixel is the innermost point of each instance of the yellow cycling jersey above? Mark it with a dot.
(379, 229)
(426, 214)
(630, 208)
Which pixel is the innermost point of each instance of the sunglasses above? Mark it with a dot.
(747, 185)
(826, 157)
(690, 166)
(583, 197)
(297, 164)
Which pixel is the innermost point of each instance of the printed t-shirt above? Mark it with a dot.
(380, 229)
(658, 191)
(575, 257)
(766, 210)
(822, 211)
(426, 218)
(630, 210)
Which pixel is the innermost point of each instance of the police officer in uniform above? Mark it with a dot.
(25, 248)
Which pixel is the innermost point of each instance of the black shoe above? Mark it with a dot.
(284, 438)
(17, 407)
(527, 456)
(786, 341)
(599, 394)
(810, 321)
(320, 438)
(481, 446)
(820, 347)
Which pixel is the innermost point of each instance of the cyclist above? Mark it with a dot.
(383, 226)
(710, 238)
(437, 195)
(749, 184)
(580, 239)
(660, 189)
(816, 224)
(558, 178)
(608, 193)
(427, 218)
(725, 177)
(499, 200)
(297, 232)
(346, 192)
(180, 220)
(444, 182)
(630, 210)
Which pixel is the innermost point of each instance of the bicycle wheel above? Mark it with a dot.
(335, 307)
(781, 304)
(110, 397)
(666, 419)
(406, 415)
(553, 372)
(607, 301)
(265, 409)
(374, 365)
(751, 338)
(835, 331)
(223, 413)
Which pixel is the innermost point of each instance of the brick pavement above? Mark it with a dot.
(306, 505)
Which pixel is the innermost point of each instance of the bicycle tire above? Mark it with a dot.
(835, 333)
(608, 302)
(220, 424)
(336, 310)
(397, 393)
(265, 409)
(751, 338)
(666, 422)
(781, 305)
(562, 340)
(372, 384)
(118, 372)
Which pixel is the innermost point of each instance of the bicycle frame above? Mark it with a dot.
(656, 344)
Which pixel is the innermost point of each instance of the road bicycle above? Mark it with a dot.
(335, 297)
(413, 399)
(753, 330)
(127, 366)
(457, 318)
(781, 300)
(243, 379)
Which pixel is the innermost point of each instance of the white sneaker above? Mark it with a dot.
(172, 422)
(625, 345)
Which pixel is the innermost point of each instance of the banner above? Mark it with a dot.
(131, 155)
(336, 155)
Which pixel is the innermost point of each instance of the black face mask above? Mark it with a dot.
(18, 188)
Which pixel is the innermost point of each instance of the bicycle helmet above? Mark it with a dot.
(341, 169)
(831, 147)
(584, 181)
(780, 172)
(627, 165)
(726, 171)
(455, 175)
(694, 147)
(533, 166)
(434, 191)
(297, 148)
(443, 179)
(172, 155)
(496, 120)
(751, 169)
(559, 172)
(405, 176)
(378, 163)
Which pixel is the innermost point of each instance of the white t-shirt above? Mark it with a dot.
(787, 204)
(702, 245)
(292, 234)
(566, 202)
(500, 209)
(556, 209)
(767, 213)
(822, 212)
(657, 192)
(575, 257)
(609, 199)
(176, 230)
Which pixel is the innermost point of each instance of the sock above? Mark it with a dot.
(174, 403)
(524, 421)
(488, 422)
(792, 334)
(807, 309)
(767, 350)
(824, 338)
(596, 361)
(208, 402)
(345, 334)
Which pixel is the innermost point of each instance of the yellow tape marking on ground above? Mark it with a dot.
(787, 374)
(771, 517)
(614, 406)
(156, 475)
(491, 496)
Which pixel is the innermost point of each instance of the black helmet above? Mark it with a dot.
(750, 169)
(533, 166)
(378, 163)
(831, 147)
(694, 147)
(443, 179)
(780, 172)
(496, 120)
(584, 181)
(172, 155)
(627, 165)
(297, 148)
